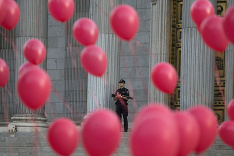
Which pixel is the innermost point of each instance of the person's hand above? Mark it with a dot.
(118, 95)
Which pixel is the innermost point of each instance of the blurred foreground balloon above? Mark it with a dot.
(226, 133)
(200, 10)
(4, 73)
(228, 24)
(63, 136)
(164, 77)
(124, 21)
(154, 132)
(24, 67)
(85, 31)
(230, 110)
(12, 15)
(208, 127)
(189, 132)
(61, 10)
(2, 10)
(101, 133)
(213, 33)
(33, 87)
(34, 51)
(94, 60)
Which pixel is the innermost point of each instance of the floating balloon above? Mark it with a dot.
(164, 77)
(208, 127)
(150, 110)
(200, 10)
(228, 24)
(213, 33)
(34, 87)
(61, 10)
(124, 21)
(94, 60)
(85, 31)
(226, 132)
(155, 135)
(63, 136)
(101, 133)
(188, 132)
(230, 110)
(12, 15)
(34, 51)
(4, 73)
(2, 10)
(24, 67)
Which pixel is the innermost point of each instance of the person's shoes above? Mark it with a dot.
(125, 130)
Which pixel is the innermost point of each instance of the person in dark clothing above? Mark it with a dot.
(121, 97)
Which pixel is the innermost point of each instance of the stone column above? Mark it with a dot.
(100, 89)
(8, 55)
(75, 76)
(32, 24)
(159, 43)
(197, 64)
(229, 85)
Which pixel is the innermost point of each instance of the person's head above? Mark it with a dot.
(121, 83)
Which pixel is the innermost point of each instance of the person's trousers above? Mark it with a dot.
(123, 109)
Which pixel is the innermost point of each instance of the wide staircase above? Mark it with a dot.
(35, 144)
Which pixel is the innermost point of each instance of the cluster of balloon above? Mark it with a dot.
(158, 131)
(124, 21)
(208, 127)
(34, 51)
(61, 10)
(9, 14)
(4, 73)
(33, 84)
(164, 77)
(101, 132)
(226, 129)
(209, 25)
(63, 136)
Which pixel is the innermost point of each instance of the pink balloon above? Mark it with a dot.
(188, 132)
(12, 15)
(124, 21)
(150, 110)
(226, 132)
(61, 10)
(34, 51)
(24, 67)
(63, 136)
(164, 77)
(228, 24)
(2, 10)
(94, 60)
(213, 33)
(4, 73)
(208, 126)
(200, 10)
(85, 31)
(34, 87)
(101, 133)
(230, 110)
(155, 135)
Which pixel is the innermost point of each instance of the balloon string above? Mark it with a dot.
(65, 103)
(137, 67)
(52, 110)
(129, 82)
(219, 83)
(7, 119)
